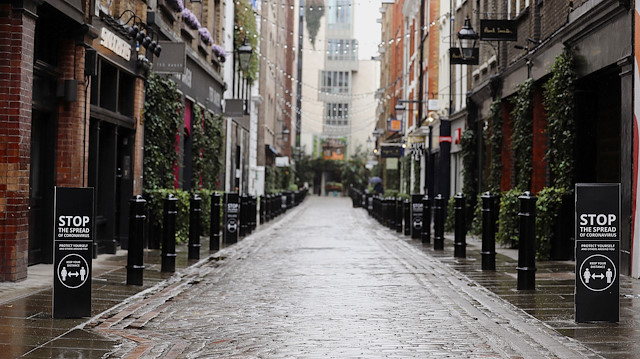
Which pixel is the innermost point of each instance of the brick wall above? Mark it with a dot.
(139, 136)
(17, 30)
(72, 151)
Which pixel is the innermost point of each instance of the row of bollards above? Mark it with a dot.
(414, 217)
(233, 216)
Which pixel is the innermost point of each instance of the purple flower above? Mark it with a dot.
(176, 5)
(205, 35)
(190, 19)
(219, 52)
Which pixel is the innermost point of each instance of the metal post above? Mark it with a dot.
(263, 209)
(397, 204)
(438, 223)
(169, 235)
(407, 218)
(135, 254)
(253, 213)
(244, 215)
(526, 243)
(489, 218)
(460, 240)
(425, 234)
(194, 226)
(214, 227)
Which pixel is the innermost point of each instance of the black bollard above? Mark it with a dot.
(527, 242)
(135, 254)
(460, 231)
(170, 213)
(425, 233)
(391, 213)
(244, 215)
(263, 207)
(253, 213)
(407, 217)
(195, 211)
(399, 213)
(214, 227)
(489, 219)
(438, 223)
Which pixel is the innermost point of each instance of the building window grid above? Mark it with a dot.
(336, 114)
(342, 49)
(515, 7)
(336, 82)
(339, 14)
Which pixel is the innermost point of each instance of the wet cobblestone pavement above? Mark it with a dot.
(327, 281)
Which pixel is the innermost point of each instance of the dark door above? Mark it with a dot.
(41, 188)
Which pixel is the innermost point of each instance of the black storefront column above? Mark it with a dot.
(438, 223)
(168, 260)
(460, 232)
(527, 242)
(135, 254)
(489, 219)
(195, 211)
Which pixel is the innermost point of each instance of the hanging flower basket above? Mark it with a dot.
(190, 19)
(219, 52)
(176, 5)
(205, 35)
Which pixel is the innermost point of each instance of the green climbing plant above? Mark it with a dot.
(522, 137)
(495, 146)
(162, 117)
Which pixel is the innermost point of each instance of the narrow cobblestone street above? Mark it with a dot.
(327, 281)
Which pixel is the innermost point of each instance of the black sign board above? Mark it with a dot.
(390, 151)
(231, 217)
(73, 252)
(597, 252)
(417, 207)
(456, 57)
(498, 30)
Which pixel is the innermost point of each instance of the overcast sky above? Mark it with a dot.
(367, 30)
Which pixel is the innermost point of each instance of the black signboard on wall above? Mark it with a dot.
(498, 30)
(73, 252)
(597, 295)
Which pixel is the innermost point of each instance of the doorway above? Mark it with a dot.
(41, 188)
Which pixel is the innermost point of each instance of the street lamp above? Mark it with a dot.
(467, 39)
(245, 51)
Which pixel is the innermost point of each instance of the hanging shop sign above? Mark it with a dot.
(73, 252)
(457, 59)
(597, 233)
(173, 59)
(498, 30)
(393, 151)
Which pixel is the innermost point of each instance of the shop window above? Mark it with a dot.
(108, 87)
(126, 94)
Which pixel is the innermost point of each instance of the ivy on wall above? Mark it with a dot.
(162, 117)
(207, 149)
(559, 92)
(522, 137)
(495, 146)
(559, 105)
(313, 12)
